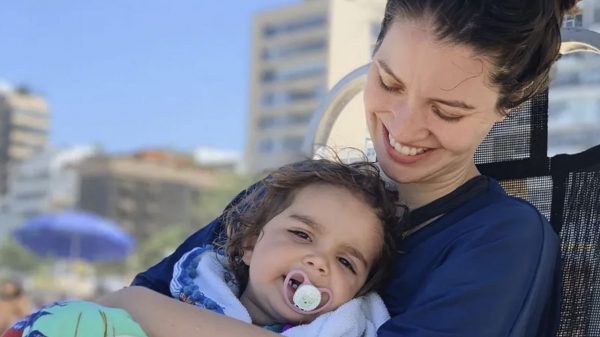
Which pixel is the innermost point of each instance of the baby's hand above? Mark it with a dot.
(80, 319)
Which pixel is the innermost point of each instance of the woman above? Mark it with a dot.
(477, 262)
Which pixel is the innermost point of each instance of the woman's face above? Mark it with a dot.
(428, 105)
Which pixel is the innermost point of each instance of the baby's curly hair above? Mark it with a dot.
(276, 192)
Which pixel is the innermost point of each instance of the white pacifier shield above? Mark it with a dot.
(307, 297)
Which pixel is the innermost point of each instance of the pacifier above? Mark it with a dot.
(307, 299)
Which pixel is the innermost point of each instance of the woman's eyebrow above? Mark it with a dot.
(453, 103)
(456, 104)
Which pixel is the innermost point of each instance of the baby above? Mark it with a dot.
(310, 238)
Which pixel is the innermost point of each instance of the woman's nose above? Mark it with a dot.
(316, 264)
(408, 122)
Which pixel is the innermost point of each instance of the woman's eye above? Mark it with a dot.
(300, 234)
(346, 264)
(384, 86)
(445, 116)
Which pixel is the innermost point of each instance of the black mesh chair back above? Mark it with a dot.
(566, 189)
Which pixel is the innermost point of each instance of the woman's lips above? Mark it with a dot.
(399, 157)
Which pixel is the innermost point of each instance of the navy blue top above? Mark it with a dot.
(488, 267)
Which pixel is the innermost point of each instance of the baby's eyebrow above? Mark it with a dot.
(307, 220)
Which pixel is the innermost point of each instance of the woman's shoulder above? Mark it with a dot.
(497, 215)
(508, 206)
(487, 215)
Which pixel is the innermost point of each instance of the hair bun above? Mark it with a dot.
(568, 6)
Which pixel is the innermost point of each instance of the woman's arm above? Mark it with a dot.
(162, 316)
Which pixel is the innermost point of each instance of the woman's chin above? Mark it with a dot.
(398, 174)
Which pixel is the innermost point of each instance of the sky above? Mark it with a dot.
(134, 74)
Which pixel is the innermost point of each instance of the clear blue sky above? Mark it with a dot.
(131, 74)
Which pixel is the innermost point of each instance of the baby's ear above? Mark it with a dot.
(248, 250)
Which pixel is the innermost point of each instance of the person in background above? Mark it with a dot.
(14, 303)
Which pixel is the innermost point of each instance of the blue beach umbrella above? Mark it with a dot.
(75, 235)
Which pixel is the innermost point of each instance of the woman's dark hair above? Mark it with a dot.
(277, 191)
(520, 37)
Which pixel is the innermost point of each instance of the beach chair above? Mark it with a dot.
(564, 187)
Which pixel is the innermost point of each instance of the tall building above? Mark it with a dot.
(47, 182)
(298, 53)
(144, 192)
(24, 123)
(574, 96)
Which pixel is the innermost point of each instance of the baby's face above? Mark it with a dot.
(329, 234)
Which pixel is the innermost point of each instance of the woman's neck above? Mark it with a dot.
(415, 195)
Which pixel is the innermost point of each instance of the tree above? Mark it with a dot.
(16, 259)
(212, 202)
(158, 246)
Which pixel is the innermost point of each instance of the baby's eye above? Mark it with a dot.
(346, 264)
(300, 234)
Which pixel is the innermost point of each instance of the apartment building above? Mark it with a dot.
(143, 192)
(45, 183)
(574, 96)
(24, 124)
(298, 53)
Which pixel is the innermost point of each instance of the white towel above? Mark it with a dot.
(201, 277)
(359, 317)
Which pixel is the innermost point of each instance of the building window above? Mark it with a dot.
(287, 144)
(268, 122)
(30, 195)
(30, 176)
(273, 30)
(265, 146)
(304, 70)
(280, 52)
(32, 113)
(282, 98)
(29, 129)
(573, 21)
(292, 143)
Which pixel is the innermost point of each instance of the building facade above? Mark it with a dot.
(48, 182)
(144, 192)
(574, 96)
(217, 159)
(24, 124)
(298, 53)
